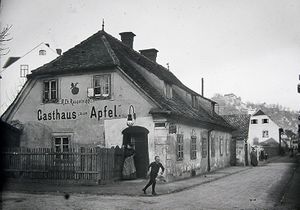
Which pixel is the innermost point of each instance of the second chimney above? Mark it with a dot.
(150, 53)
(127, 38)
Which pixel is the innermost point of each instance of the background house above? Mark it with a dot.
(262, 128)
(15, 70)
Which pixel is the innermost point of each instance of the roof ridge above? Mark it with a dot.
(110, 51)
(155, 63)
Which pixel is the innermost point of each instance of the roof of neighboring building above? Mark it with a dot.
(270, 142)
(259, 112)
(241, 123)
(102, 50)
(10, 61)
(289, 133)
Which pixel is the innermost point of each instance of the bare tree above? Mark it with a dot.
(4, 37)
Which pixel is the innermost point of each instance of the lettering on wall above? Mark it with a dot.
(105, 113)
(56, 115)
(94, 113)
(73, 102)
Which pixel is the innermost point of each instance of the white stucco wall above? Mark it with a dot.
(256, 130)
(86, 127)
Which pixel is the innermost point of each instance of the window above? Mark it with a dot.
(61, 144)
(160, 125)
(213, 149)
(254, 121)
(193, 147)
(50, 91)
(194, 101)
(265, 134)
(169, 90)
(42, 52)
(226, 147)
(204, 147)
(102, 86)
(221, 145)
(265, 121)
(24, 70)
(179, 147)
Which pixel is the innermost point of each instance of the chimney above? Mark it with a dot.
(59, 51)
(150, 53)
(127, 38)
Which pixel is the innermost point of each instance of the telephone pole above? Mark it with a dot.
(299, 119)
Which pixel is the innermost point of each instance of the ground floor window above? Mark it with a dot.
(61, 144)
(226, 146)
(204, 147)
(193, 147)
(213, 149)
(221, 145)
(179, 147)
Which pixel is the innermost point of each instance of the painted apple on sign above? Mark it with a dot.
(74, 88)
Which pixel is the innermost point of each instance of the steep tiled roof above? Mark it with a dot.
(259, 112)
(241, 123)
(102, 50)
(10, 61)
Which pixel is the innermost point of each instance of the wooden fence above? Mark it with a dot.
(94, 164)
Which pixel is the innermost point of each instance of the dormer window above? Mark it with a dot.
(169, 90)
(194, 101)
(42, 52)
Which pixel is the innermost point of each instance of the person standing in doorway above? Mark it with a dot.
(153, 169)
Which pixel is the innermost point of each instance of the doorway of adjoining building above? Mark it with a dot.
(138, 137)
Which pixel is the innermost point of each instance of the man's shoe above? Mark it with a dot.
(154, 193)
(144, 191)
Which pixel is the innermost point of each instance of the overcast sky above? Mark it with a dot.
(247, 47)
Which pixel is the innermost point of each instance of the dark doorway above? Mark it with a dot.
(138, 137)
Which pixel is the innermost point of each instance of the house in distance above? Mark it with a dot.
(104, 93)
(16, 69)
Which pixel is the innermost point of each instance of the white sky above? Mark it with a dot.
(247, 47)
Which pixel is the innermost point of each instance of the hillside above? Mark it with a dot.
(232, 104)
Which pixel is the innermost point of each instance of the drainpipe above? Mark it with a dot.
(208, 149)
(280, 133)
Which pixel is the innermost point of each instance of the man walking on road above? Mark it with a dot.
(154, 166)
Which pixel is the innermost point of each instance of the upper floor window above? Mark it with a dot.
(42, 52)
(50, 91)
(194, 101)
(254, 121)
(265, 134)
(169, 90)
(24, 70)
(265, 121)
(102, 86)
(193, 147)
(179, 147)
